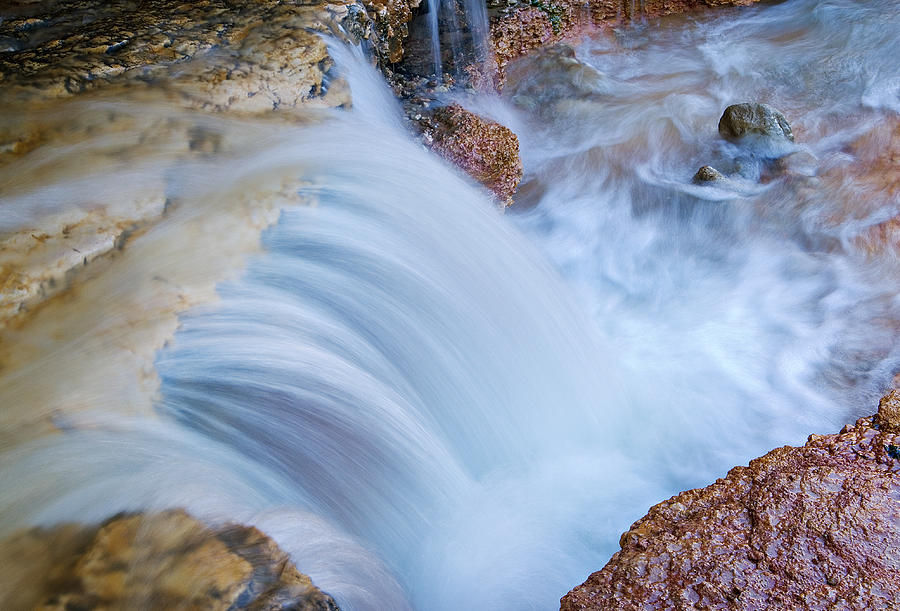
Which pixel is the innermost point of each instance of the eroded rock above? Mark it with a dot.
(222, 54)
(813, 527)
(487, 151)
(164, 560)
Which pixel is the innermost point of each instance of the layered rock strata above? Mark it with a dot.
(814, 527)
(165, 560)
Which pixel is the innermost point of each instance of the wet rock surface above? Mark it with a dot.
(553, 81)
(814, 527)
(758, 127)
(740, 120)
(487, 151)
(165, 560)
(256, 56)
(707, 175)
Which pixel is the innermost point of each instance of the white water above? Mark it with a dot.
(407, 396)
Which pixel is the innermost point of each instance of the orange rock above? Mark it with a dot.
(487, 151)
(813, 527)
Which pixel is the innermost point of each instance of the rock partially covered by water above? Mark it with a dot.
(809, 527)
(708, 174)
(758, 125)
(552, 81)
(487, 151)
(160, 561)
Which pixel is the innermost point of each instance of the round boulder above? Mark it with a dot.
(757, 125)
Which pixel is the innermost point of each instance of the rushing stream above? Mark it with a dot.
(434, 405)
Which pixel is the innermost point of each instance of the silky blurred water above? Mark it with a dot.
(434, 405)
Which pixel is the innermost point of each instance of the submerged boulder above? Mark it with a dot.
(485, 150)
(758, 125)
(164, 560)
(812, 527)
(553, 80)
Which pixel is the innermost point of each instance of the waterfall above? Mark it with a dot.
(435, 405)
(464, 25)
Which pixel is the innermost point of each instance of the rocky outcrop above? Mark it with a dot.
(165, 560)
(487, 151)
(219, 54)
(813, 527)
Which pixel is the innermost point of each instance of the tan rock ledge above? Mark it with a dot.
(154, 561)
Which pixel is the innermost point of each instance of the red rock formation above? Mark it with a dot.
(487, 151)
(813, 527)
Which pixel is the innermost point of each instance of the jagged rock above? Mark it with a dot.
(391, 19)
(160, 561)
(487, 151)
(748, 121)
(814, 527)
(708, 174)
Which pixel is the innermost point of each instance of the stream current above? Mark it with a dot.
(434, 405)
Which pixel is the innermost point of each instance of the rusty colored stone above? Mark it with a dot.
(888, 417)
(814, 527)
(486, 151)
(161, 560)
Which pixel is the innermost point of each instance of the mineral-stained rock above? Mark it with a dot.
(164, 560)
(815, 527)
(487, 151)
(740, 121)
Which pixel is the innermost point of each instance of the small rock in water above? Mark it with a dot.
(758, 125)
(740, 120)
(708, 174)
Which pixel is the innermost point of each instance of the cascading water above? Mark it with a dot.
(408, 397)
(458, 32)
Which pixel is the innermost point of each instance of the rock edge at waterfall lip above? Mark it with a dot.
(153, 560)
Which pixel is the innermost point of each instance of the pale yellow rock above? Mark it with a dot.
(154, 561)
